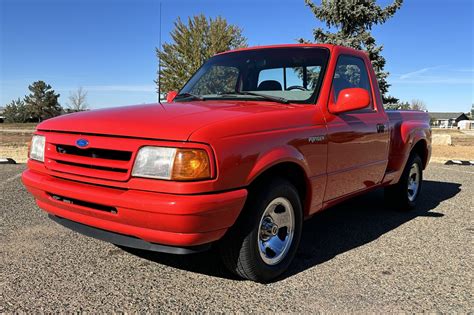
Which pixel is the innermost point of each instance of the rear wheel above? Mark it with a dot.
(263, 242)
(405, 193)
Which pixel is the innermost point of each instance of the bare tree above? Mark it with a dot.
(77, 99)
(417, 104)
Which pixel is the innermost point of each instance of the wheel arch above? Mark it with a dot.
(421, 148)
(290, 170)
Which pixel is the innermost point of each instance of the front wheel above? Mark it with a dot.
(263, 242)
(405, 193)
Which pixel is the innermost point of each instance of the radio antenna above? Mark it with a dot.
(159, 60)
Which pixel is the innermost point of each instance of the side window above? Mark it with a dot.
(350, 73)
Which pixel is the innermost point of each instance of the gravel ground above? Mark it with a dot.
(358, 256)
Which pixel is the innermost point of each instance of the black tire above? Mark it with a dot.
(398, 196)
(239, 247)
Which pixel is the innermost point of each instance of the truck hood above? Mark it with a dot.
(173, 121)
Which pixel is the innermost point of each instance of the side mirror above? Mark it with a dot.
(349, 100)
(170, 96)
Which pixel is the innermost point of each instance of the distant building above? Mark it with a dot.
(466, 125)
(447, 120)
(2, 117)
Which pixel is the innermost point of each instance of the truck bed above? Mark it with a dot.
(407, 115)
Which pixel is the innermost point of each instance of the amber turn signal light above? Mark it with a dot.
(191, 164)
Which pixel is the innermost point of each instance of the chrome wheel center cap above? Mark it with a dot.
(274, 229)
(268, 228)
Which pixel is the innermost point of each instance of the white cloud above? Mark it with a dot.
(465, 70)
(429, 75)
(435, 80)
(417, 73)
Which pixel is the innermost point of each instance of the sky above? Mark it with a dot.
(108, 46)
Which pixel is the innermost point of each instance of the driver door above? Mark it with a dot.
(357, 140)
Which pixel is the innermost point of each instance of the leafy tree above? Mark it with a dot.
(77, 101)
(353, 21)
(42, 103)
(418, 105)
(16, 112)
(192, 44)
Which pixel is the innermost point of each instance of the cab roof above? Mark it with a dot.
(328, 46)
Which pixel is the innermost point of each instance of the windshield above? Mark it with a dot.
(273, 74)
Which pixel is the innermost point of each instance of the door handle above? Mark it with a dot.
(380, 128)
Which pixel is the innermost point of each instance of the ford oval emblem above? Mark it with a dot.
(82, 143)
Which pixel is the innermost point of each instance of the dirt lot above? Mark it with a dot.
(442, 153)
(462, 147)
(458, 137)
(14, 139)
(358, 257)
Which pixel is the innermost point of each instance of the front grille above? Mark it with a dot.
(94, 153)
(108, 158)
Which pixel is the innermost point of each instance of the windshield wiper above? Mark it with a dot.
(189, 95)
(265, 96)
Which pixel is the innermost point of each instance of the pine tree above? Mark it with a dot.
(16, 112)
(353, 21)
(391, 100)
(192, 44)
(42, 103)
(397, 106)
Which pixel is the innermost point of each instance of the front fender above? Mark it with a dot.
(276, 156)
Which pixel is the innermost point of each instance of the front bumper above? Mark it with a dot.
(167, 219)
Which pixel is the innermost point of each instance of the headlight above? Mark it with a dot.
(172, 164)
(37, 148)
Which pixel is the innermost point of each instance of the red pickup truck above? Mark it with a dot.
(258, 140)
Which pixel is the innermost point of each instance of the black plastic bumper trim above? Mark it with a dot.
(125, 240)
